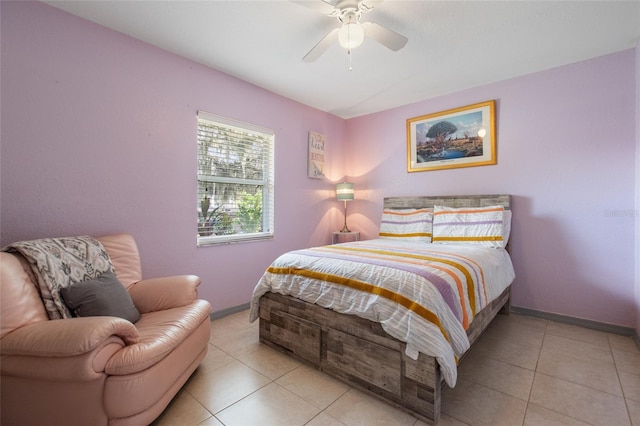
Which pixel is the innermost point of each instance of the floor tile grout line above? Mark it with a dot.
(184, 389)
(624, 397)
(560, 414)
(583, 384)
(535, 371)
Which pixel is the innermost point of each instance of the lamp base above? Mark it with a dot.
(344, 228)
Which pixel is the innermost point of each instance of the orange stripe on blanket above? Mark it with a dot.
(482, 284)
(415, 234)
(368, 288)
(465, 315)
(470, 260)
(487, 238)
(470, 287)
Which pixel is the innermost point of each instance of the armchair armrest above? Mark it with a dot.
(67, 337)
(65, 349)
(158, 294)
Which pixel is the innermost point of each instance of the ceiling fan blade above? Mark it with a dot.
(367, 5)
(322, 45)
(320, 6)
(384, 36)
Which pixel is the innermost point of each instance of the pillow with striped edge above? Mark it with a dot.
(482, 226)
(406, 224)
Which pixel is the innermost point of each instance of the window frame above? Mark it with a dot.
(268, 186)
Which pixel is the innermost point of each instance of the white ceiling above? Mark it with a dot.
(453, 45)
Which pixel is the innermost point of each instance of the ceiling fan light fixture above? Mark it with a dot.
(351, 35)
(351, 32)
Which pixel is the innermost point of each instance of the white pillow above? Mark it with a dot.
(469, 225)
(406, 224)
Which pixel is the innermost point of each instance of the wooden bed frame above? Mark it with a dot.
(358, 351)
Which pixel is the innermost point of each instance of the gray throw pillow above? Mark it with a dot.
(101, 296)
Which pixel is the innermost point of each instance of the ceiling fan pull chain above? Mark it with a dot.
(349, 53)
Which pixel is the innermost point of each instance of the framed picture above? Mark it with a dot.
(315, 163)
(459, 137)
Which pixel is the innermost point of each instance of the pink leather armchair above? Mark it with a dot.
(98, 370)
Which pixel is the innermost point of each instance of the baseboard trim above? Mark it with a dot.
(582, 322)
(225, 312)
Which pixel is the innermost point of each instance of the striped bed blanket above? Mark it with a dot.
(425, 295)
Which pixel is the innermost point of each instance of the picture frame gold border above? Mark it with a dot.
(489, 143)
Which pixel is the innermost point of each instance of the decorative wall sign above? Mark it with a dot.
(460, 137)
(315, 165)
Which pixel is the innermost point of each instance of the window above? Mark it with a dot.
(235, 181)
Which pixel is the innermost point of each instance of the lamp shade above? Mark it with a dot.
(344, 191)
(351, 35)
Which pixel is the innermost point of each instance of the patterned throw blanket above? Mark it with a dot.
(60, 262)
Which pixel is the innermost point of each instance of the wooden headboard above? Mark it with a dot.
(448, 201)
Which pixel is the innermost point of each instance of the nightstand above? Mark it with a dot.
(345, 237)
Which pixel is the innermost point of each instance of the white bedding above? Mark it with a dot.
(422, 294)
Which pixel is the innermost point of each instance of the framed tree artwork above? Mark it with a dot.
(459, 137)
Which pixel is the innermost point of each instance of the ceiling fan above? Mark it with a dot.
(352, 32)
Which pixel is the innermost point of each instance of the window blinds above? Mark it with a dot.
(235, 180)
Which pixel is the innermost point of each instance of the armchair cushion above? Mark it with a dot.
(158, 294)
(101, 296)
(159, 334)
(123, 251)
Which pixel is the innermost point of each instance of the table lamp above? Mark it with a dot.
(344, 192)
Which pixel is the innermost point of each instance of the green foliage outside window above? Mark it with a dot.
(214, 221)
(249, 215)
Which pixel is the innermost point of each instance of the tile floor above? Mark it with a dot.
(522, 371)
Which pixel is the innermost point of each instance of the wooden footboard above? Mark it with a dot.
(359, 352)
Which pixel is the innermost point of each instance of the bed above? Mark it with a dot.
(394, 316)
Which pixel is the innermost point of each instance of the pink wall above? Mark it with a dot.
(99, 136)
(566, 144)
(637, 188)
